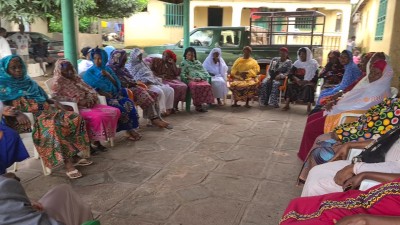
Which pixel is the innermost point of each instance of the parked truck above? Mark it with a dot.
(268, 31)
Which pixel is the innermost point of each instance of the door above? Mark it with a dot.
(215, 16)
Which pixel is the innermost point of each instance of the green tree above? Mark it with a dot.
(13, 10)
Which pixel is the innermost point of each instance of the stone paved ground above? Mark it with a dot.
(227, 166)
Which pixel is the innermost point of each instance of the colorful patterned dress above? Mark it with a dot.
(244, 88)
(201, 91)
(167, 73)
(57, 134)
(381, 200)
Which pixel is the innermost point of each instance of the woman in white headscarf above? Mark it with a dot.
(217, 68)
(302, 79)
(140, 71)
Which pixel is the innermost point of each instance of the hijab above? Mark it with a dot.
(310, 65)
(16, 208)
(70, 88)
(12, 89)
(139, 70)
(365, 95)
(94, 77)
(109, 49)
(218, 69)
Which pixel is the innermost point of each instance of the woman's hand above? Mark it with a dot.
(197, 79)
(352, 220)
(329, 106)
(105, 73)
(22, 119)
(244, 75)
(344, 174)
(37, 206)
(354, 182)
(342, 153)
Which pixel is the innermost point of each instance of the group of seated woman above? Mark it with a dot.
(331, 181)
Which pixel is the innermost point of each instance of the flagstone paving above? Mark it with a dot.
(227, 166)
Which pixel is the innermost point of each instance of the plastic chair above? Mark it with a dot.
(344, 117)
(394, 92)
(282, 89)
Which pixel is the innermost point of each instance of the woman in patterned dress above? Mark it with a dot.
(377, 205)
(244, 75)
(194, 74)
(146, 99)
(101, 120)
(166, 69)
(58, 135)
(106, 83)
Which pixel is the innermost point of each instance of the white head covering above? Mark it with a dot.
(310, 65)
(219, 69)
(366, 95)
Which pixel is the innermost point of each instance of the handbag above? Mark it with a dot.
(377, 151)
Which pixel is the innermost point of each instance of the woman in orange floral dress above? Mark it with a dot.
(58, 135)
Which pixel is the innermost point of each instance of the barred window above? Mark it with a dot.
(380, 23)
(173, 15)
(304, 23)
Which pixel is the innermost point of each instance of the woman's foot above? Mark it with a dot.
(99, 147)
(235, 105)
(247, 106)
(159, 123)
(219, 102)
(71, 171)
(200, 109)
(286, 108)
(73, 174)
(134, 136)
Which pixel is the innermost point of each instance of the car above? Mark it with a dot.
(55, 48)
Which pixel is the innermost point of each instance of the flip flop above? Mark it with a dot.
(235, 106)
(134, 138)
(74, 174)
(83, 162)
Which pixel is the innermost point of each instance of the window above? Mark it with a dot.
(304, 23)
(201, 38)
(230, 38)
(380, 24)
(173, 15)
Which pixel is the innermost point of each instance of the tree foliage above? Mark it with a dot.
(13, 10)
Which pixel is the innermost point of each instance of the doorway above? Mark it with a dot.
(215, 16)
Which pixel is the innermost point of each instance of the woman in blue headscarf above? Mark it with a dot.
(58, 135)
(351, 74)
(103, 79)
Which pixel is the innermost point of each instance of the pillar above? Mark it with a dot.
(346, 20)
(236, 16)
(68, 22)
(186, 17)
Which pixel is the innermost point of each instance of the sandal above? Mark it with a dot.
(83, 162)
(235, 105)
(74, 174)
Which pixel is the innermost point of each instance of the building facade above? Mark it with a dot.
(162, 23)
(374, 23)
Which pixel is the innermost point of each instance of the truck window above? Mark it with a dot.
(230, 38)
(201, 38)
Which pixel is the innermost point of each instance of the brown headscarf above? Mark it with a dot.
(70, 89)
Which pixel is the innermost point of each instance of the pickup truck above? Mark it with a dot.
(268, 31)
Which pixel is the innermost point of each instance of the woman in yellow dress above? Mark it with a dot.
(244, 75)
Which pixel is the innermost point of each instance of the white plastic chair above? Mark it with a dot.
(102, 101)
(394, 92)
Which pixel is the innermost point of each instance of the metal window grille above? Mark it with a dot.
(380, 23)
(304, 23)
(173, 15)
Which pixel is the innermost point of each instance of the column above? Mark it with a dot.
(346, 20)
(68, 22)
(236, 16)
(186, 16)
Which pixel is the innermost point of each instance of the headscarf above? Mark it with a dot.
(95, 79)
(70, 89)
(190, 49)
(12, 89)
(380, 64)
(85, 51)
(310, 65)
(16, 208)
(364, 81)
(109, 49)
(139, 70)
(284, 49)
(117, 65)
(362, 97)
(171, 54)
(218, 69)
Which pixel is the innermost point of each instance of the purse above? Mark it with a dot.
(377, 151)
